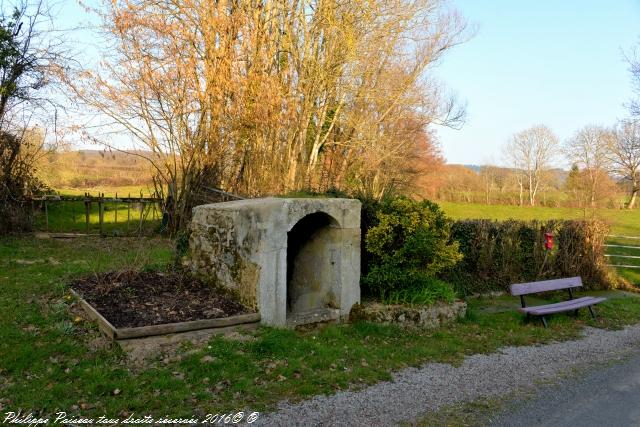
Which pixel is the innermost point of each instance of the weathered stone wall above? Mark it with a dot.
(431, 316)
(242, 245)
(219, 253)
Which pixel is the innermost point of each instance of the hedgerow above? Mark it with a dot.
(499, 253)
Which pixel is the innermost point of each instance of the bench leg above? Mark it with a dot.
(544, 321)
(593, 315)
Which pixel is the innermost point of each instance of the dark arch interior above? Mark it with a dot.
(297, 238)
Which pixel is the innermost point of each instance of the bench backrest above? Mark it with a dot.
(545, 285)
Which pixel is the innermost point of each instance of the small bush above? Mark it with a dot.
(181, 246)
(406, 247)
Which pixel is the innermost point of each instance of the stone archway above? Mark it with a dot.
(313, 250)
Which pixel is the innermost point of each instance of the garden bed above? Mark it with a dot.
(130, 304)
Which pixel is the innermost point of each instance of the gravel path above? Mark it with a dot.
(415, 391)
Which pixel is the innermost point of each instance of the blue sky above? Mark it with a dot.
(559, 63)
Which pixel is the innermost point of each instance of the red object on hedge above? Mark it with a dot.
(548, 241)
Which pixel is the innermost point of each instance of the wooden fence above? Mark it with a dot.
(128, 215)
(625, 257)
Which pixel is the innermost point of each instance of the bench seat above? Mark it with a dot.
(541, 311)
(561, 307)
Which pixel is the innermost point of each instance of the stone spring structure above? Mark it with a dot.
(295, 260)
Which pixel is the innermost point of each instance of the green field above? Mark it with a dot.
(622, 223)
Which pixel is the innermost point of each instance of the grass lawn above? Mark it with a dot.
(49, 361)
(622, 223)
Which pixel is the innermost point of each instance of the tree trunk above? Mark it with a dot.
(632, 202)
(521, 194)
(634, 193)
(532, 191)
(532, 197)
(594, 188)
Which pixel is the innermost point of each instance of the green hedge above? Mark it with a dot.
(497, 254)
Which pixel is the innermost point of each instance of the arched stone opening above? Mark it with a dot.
(313, 262)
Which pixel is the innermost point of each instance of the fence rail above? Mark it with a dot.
(621, 246)
(623, 237)
(623, 266)
(623, 256)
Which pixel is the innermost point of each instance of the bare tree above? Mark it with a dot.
(625, 156)
(589, 150)
(489, 175)
(269, 97)
(531, 153)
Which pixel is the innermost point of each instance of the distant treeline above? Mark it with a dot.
(91, 168)
(500, 185)
(437, 181)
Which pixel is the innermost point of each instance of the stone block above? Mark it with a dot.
(431, 316)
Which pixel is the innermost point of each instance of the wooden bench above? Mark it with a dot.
(522, 289)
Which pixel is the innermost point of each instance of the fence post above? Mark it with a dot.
(116, 213)
(128, 213)
(87, 211)
(101, 213)
(46, 216)
(141, 215)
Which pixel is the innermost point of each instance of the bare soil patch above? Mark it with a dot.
(132, 298)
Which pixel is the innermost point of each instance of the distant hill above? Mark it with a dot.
(560, 173)
(475, 168)
(91, 168)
